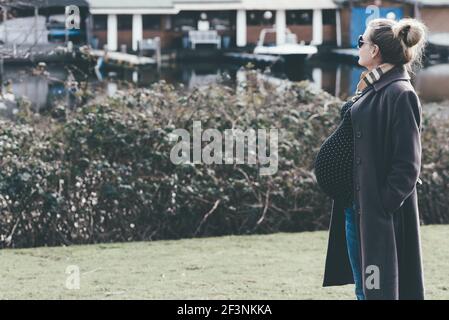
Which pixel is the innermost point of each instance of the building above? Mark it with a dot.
(40, 22)
(238, 22)
(354, 14)
(434, 13)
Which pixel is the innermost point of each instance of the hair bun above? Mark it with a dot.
(410, 31)
(404, 31)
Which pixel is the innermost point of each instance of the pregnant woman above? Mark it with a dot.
(370, 167)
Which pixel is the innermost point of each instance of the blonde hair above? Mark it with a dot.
(400, 42)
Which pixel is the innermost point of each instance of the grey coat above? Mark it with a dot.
(387, 159)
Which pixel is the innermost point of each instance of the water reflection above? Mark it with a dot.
(46, 91)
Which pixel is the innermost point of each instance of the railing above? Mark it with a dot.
(290, 37)
(204, 37)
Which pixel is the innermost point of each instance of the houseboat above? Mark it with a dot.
(216, 23)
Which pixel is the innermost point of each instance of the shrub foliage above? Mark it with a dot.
(102, 173)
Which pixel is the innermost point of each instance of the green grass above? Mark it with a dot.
(276, 266)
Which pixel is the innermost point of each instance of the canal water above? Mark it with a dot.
(44, 91)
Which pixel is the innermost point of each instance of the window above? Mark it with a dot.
(260, 18)
(151, 22)
(329, 17)
(220, 20)
(185, 20)
(100, 22)
(299, 17)
(188, 20)
(125, 22)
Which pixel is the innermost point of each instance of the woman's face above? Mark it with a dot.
(369, 55)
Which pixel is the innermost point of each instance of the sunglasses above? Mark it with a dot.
(360, 42)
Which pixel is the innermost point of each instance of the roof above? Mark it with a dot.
(44, 3)
(152, 3)
(431, 3)
(175, 6)
(131, 4)
(287, 4)
(205, 1)
(423, 3)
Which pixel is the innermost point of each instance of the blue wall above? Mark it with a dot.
(359, 17)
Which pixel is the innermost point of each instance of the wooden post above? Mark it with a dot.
(66, 35)
(417, 12)
(1, 75)
(36, 15)
(5, 17)
(158, 52)
(338, 26)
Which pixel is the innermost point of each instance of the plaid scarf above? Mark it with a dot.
(367, 78)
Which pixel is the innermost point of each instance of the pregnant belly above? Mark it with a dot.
(333, 164)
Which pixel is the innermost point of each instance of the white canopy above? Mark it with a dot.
(287, 4)
(174, 6)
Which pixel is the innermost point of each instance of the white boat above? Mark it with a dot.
(291, 47)
(286, 49)
(118, 58)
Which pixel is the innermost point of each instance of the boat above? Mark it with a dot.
(291, 47)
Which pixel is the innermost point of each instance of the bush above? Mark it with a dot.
(103, 173)
(432, 194)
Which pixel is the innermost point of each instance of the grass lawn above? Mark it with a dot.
(276, 266)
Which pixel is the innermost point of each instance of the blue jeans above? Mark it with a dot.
(353, 244)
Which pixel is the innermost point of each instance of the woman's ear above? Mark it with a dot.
(375, 51)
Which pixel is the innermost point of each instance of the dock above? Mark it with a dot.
(346, 54)
(253, 58)
(29, 54)
(119, 59)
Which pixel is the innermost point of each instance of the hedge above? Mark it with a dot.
(102, 172)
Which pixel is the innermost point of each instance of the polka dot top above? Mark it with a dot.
(334, 162)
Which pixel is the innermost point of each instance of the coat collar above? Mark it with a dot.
(397, 73)
(367, 77)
